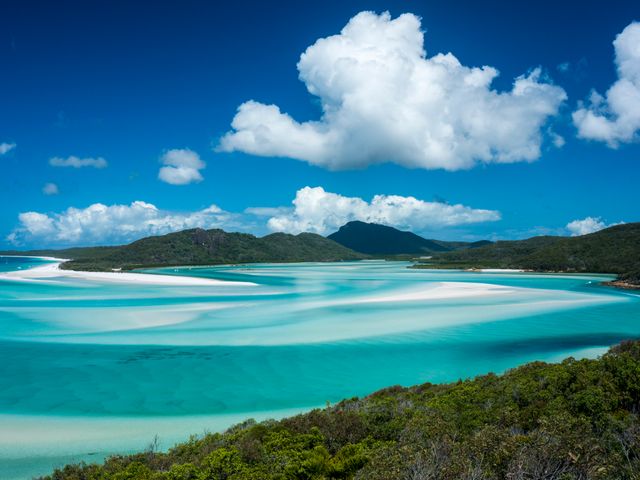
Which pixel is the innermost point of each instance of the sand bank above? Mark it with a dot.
(499, 270)
(52, 271)
(441, 291)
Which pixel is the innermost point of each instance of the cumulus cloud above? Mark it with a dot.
(588, 225)
(99, 223)
(557, 140)
(384, 100)
(313, 210)
(266, 211)
(182, 166)
(6, 147)
(50, 189)
(615, 117)
(76, 162)
(319, 211)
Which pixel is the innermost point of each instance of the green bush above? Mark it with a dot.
(573, 420)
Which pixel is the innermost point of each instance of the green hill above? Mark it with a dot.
(612, 250)
(211, 247)
(375, 239)
(574, 420)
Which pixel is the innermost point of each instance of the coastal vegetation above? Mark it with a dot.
(612, 250)
(574, 420)
(205, 247)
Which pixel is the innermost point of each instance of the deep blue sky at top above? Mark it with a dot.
(127, 80)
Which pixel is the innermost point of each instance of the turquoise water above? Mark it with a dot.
(91, 367)
(7, 264)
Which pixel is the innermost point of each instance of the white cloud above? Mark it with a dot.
(6, 147)
(50, 189)
(314, 210)
(266, 211)
(319, 211)
(615, 118)
(98, 223)
(588, 225)
(182, 166)
(557, 140)
(384, 100)
(37, 224)
(77, 162)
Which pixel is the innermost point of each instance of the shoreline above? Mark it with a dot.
(42, 257)
(611, 283)
(621, 284)
(496, 270)
(52, 271)
(34, 444)
(92, 439)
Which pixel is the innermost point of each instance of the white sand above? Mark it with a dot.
(53, 271)
(500, 270)
(441, 291)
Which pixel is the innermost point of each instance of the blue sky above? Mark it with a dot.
(139, 85)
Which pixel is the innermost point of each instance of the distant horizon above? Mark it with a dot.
(56, 248)
(462, 121)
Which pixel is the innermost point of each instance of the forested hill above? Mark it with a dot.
(205, 247)
(612, 250)
(574, 420)
(375, 239)
(380, 239)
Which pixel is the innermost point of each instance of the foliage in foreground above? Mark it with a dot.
(574, 420)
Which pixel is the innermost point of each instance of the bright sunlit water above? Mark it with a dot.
(89, 368)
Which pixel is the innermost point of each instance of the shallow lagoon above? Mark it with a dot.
(92, 367)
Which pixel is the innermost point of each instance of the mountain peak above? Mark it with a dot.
(373, 238)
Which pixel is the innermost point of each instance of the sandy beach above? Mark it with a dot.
(51, 271)
(499, 270)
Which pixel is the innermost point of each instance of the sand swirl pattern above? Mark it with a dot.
(111, 362)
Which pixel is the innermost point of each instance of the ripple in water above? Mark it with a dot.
(177, 359)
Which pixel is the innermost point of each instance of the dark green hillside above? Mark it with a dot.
(503, 254)
(613, 250)
(631, 277)
(210, 247)
(374, 239)
(461, 245)
(570, 421)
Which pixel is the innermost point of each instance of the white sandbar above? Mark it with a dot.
(52, 270)
(443, 290)
(499, 270)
